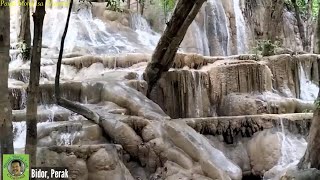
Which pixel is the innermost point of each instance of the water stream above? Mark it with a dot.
(217, 28)
(293, 148)
(241, 28)
(308, 90)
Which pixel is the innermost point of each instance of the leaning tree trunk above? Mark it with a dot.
(33, 88)
(163, 56)
(6, 135)
(25, 34)
(311, 158)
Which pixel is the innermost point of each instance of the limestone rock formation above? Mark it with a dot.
(264, 150)
(139, 138)
(86, 162)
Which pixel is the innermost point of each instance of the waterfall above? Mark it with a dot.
(308, 90)
(84, 33)
(218, 31)
(52, 109)
(146, 35)
(66, 138)
(241, 28)
(206, 51)
(20, 131)
(94, 36)
(287, 154)
(137, 22)
(292, 150)
(201, 40)
(197, 93)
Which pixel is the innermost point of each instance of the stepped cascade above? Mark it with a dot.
(221, 111)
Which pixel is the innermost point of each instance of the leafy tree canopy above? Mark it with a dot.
(303, 6)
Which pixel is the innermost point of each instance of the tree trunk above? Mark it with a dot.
(142, 7)
(5, 107)
(6, 135)
(300, 24)
(25, 34)
(311, 158)
(309, 28)
(163, 56)
(33, 88)
(317, 35)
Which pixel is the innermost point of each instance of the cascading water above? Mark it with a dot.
(200, 38)
(206, 49)
(146, 35)
(84, 33)
(94, 36)
(292, 150)
(241, 28)
(52, 109)
(19, 130)
(66, 138)
(197, 94)
(308, 90)
(217, 29)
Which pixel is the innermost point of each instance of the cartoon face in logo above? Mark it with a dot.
(16, 167)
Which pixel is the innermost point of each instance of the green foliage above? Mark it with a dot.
(24, 50)
(114, 5)
(303, 7)
(315, 8)
(168, 6)
(265, 47)
(307, 111)
(317, 103)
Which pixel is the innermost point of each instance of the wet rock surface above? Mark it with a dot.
(208, 117)
(308, 174)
